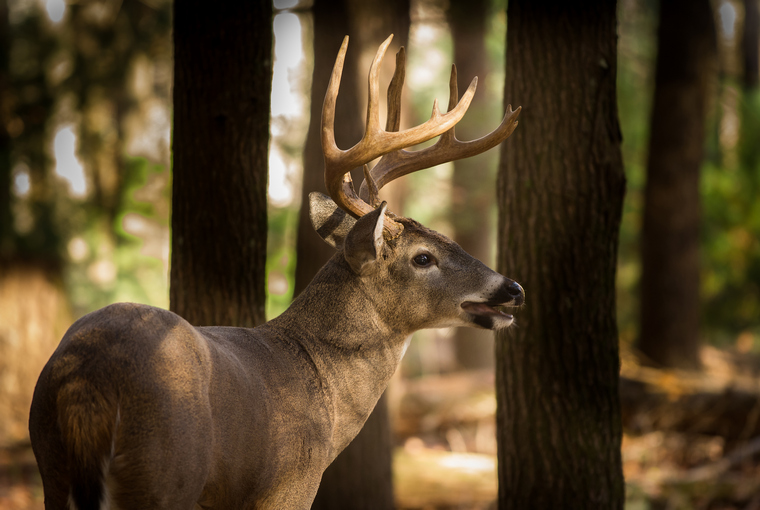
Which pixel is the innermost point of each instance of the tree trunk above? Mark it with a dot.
(670, 234)
(474, 178)
(7, 233)
(222, 87)
(331, 24)
(560, 189)
(751, 44)
(360, 477)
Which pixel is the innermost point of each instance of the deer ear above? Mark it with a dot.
(365, 241)
(330, 221)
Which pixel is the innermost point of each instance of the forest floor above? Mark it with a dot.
(20, 484)
(691, 441)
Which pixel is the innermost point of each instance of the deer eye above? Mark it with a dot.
(423, 260)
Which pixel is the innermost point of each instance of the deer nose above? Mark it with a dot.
(517, 293)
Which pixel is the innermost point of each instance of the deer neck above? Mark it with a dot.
(354, 349)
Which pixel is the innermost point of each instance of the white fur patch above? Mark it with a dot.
(378, 233)
(406, 346)
(107, 502)
(500, 323)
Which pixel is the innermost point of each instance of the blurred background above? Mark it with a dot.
(85, 201)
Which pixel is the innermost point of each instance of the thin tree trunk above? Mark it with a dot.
(670, 235)
(31, 143)
(560, 188)
(331, 24)
(751, 44)
(222, 87)
(749, 152)
(7, 233)
(474, 178)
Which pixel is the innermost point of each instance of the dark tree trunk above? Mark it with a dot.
(670, 235)
(222, 86)
(31, 138)
(751, 44)
(560, 189)
(474, 178)
(749, 152)
(360, 477)
(7, 233)
(331, 24)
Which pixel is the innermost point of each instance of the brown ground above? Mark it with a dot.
(20, 484)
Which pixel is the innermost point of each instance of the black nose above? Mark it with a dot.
(517, 293)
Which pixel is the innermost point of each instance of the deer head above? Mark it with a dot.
(424, 260)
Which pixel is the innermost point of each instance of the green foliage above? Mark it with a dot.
(731, 229)
(82, 72)
(122, 260)
(281, 259)
(729, 185)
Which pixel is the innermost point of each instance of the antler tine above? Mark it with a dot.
(392, 123)
(339, 185)
(447, 148)
(376, 141)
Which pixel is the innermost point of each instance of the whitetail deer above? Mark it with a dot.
(138, 409)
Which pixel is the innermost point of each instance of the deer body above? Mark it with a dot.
(245, 418)
(237, 418)
(139, 409)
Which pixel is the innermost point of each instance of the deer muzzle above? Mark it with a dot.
(489, 314)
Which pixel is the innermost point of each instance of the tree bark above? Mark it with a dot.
(670, 235)
(7, 232)
(331, 24)
(222, 87)
(751, 44)
(474, 178)
(560, 193)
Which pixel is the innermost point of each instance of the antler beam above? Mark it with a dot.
(376, 141)
(390, 142)
(448, 148)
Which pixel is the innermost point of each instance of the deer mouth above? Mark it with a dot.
(488, 315)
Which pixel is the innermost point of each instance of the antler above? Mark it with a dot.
(448, 148)
(376, 141)
(390, 142)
